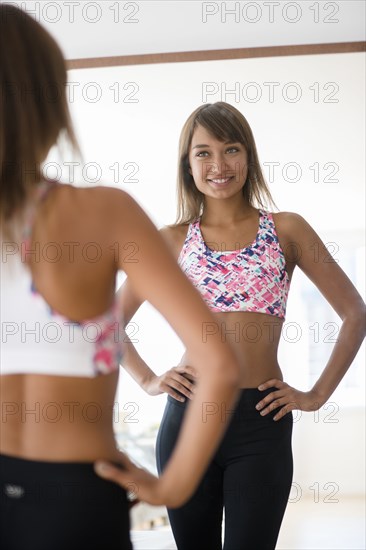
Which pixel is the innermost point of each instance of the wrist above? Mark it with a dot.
(148, 380)
(171, 494)
(319, 395)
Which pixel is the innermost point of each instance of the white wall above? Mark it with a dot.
(109, 28)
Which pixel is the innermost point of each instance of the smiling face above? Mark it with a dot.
(219, 169)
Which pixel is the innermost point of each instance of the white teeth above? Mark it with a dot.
(222, 180)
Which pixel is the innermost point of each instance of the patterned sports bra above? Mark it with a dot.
(252, 279)
(38, 340)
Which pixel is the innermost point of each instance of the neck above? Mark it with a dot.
(225, 212)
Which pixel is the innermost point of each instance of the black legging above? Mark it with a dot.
(250, 477)
(59, 506)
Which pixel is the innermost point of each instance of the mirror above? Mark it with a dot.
(307, 114)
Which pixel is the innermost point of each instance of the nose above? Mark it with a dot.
(217, 165)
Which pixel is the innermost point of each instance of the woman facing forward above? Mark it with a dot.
(62, 331)
(239, 258)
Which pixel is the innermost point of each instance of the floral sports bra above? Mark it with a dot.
(252, 279)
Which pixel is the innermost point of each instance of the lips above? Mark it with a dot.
(220, 182)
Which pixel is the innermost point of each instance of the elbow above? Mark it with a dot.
(356, 316)
(358, 312)
(361, 319)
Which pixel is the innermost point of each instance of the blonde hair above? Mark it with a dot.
(225, 123)
(33, 107)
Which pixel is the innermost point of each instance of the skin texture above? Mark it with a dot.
(79, 289)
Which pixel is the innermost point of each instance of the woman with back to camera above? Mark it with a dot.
(241, 258)
(62, 332)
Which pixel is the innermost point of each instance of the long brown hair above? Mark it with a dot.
(33, 107)
(225, 123)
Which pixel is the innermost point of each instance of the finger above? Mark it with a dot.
(286, 405)
(174, 394)
(275, 404)
(108, 471)
(167, 386)
(192, 379)
(121, 477)
(285, 410)
(123, 461)
(171, 390)
(268, 399)
(185, 383)
(183, 380)
(273, 383)
(183, 389)
(187, 370)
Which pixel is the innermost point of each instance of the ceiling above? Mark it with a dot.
(86, 29)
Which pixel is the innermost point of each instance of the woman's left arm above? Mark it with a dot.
(341, 294)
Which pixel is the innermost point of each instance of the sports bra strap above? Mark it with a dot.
(41, 193)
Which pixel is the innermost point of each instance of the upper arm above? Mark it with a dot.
(128, 299)
(315, 260)
(153, 275)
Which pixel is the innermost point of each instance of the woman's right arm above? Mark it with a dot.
(154, 276)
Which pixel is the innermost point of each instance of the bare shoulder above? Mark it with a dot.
(292, 227)
(104, 197)
(289, 220)
(174, 236)
(296, 236)
(95, 200)
(91, 211)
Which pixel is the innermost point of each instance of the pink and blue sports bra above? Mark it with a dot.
(252, 279)
(35, 339)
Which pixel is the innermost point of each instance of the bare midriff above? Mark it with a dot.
(254, 338)
(59, 419)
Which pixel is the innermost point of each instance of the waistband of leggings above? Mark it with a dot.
(15, 463)
(47, 470)
(248, 398)
(39, 481)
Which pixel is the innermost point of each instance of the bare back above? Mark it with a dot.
(56, 417)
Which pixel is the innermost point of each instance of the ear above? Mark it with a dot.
(189, 169)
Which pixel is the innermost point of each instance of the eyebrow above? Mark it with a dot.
(225, 143)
